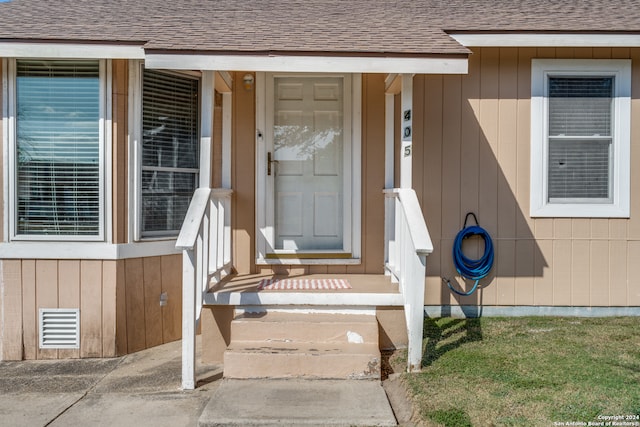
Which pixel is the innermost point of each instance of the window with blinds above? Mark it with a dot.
(580, 139)
(170, 150)
(58, 189)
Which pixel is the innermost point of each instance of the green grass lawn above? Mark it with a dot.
(528, 371)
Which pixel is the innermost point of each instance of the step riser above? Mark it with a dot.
(304, 332)
(303, 345)
(298, 365)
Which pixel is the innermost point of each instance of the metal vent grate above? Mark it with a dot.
(59, 328)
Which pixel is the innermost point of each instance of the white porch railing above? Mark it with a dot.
(205, 240)
(407, 244)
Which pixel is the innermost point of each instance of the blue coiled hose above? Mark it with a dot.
(472, 269)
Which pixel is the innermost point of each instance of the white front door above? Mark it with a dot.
(308, 174)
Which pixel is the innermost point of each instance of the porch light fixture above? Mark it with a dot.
(248, 81)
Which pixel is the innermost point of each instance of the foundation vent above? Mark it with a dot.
(59, 328)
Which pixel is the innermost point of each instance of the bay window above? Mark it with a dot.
(57, 149)
(170, 151)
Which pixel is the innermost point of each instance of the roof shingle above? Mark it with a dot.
(374, 27)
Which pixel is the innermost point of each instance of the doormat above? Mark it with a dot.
(303, 284)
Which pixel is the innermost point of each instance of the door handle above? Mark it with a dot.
(269, 162)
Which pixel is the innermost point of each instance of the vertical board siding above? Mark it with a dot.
(134, 285)
(119, 304)
(120, 149)
(474, 151)
(152, 310)
(109, 311)
(122, 346)
(172, 285)
(91, 308)
(46, 296)
(12, 310)
(372, 167)
(243, 154)
(29, 312)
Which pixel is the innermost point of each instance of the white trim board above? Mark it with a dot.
(86, 250)
(352, 162)
(541, 70)
(314, 64)
(64, 50)
(546, 40)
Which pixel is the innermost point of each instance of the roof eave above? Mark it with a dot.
(317, 62)
(471, 38)
(70, 49)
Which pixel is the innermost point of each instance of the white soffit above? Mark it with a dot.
(310, 64)
(546, 40)
(62, 50)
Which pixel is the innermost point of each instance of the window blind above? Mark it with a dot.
(580, 138)
(58, 147)
(170, 150)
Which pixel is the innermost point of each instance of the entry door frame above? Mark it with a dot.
(265, 227)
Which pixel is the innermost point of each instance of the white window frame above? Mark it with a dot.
(352, 162)
(105, 158)
(135, 151)
(620, 70)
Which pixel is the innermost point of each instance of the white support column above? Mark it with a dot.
(207, 99)
(406, 130)
(226, 139)
(389, 140)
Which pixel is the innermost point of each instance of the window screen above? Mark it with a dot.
(580, 139)
(58, 147)
(170, 149)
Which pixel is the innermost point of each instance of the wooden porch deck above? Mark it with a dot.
(366, 290)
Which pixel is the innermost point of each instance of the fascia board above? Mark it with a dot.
(315, 64)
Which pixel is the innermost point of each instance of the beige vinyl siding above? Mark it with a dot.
(473, 154)
(119, 304)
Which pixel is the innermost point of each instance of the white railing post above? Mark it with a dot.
(390, 255)
(406, 249)
(204, 239)
(188, 321)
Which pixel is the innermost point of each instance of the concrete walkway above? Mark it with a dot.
(143, 389)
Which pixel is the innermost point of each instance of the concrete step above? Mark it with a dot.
(298, 403)
(273, 327)
(247, 359)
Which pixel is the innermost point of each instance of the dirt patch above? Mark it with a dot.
(392, 367)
